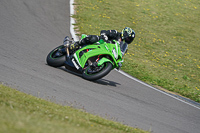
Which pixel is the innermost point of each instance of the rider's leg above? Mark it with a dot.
(90, 39)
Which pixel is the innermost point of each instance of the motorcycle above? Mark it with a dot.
(92, 61)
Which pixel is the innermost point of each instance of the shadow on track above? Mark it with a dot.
(106, 82)
(99, 81)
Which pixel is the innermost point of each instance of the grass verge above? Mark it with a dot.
(20, 113)
(166, 49)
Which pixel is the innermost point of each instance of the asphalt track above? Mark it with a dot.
(29, 29)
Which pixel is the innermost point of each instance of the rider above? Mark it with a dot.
(124, 38)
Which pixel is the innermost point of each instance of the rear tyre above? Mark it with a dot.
(103, 70)
(54, 60)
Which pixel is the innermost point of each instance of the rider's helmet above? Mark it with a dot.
(128, 35)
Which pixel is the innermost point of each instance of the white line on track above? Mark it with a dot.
(125, 74)
(72, 21)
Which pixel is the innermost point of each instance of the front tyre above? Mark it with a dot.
(102, 71)
(54, 60)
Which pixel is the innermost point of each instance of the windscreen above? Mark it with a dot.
(123, 47)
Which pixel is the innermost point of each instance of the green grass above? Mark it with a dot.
(166, 49)
(22, 113)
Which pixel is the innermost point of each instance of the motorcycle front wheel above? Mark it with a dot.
(96, 73)
(55, 60)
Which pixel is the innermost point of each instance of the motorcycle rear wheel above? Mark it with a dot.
(106, 68)
(56, 61)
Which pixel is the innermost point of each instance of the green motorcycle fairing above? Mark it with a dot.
(102, 48)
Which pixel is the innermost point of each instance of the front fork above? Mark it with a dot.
(67, 50)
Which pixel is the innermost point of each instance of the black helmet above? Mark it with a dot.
(128, 35)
